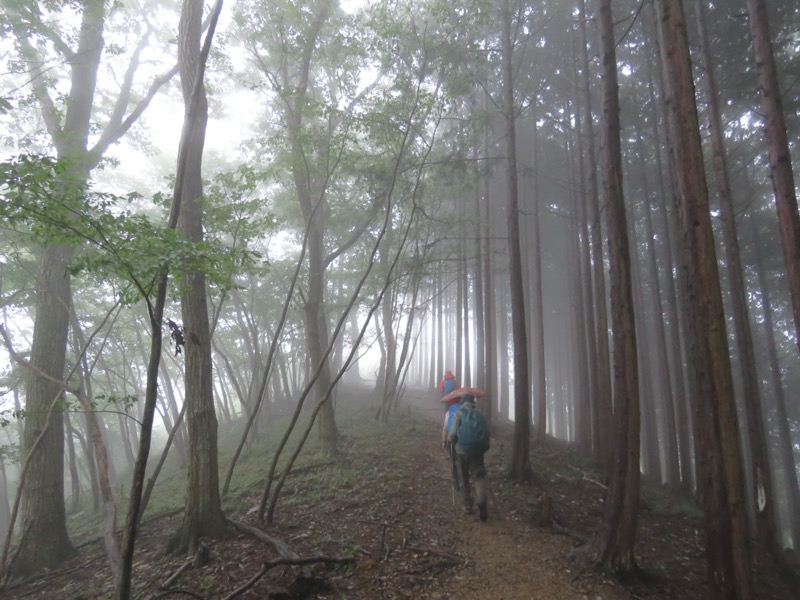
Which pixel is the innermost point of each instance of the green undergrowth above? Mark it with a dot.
(363, 454)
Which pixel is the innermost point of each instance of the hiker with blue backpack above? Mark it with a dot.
(469, 433)
(448, 384)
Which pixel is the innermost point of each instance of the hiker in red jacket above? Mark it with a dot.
(448, 383)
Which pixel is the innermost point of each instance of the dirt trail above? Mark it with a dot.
(505, 557)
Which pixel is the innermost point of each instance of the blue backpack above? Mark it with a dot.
(449, 385)
(473, 432)
(450, 412)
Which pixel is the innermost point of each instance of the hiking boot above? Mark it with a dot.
(484, 514)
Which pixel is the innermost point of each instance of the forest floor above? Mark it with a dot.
(387, 506)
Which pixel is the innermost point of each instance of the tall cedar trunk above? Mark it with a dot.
(683, 398)
(466, 376)
(489, 301)
(780, 160)
(662, 365)
(612, 546)
(650, 459)
(520, 455)
(537, 327)
(720, 462)
(601, 411)
(480, 313)
(457, 365)
(585, 402)
(790, 483)
(582, 270)
(503, 358)
(761, 498)
(203, 515)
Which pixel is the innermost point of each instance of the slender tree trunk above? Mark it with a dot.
(673, 293)
(5, 506)
(665, 398)
(489, 301)
(780, 160)
(537, 300)
(612, 546)
(466, 376)
(580, 401)
(480, 312)
(585, 404)
(313, 209)
(203, 517)
(601, 415)
(789, 482)
(75, 480)
(520, 456)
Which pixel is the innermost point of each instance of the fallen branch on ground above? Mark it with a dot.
(171, 579)
(442, 564)
(589, 479)
(281, 547)
(166, 593)
(300, 561)
(435, 552)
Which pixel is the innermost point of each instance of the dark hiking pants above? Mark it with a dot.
(472, 467)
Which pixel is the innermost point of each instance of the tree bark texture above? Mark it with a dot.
(612, 546)
(489, 300)
(520, 457)
(203, 516)
(780, 160)
(784, 451)
(313, 213)
(44, 542)
(601, 409)
(761, 478)
(720, 460)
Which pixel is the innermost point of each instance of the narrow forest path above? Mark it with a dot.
(505, 557)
